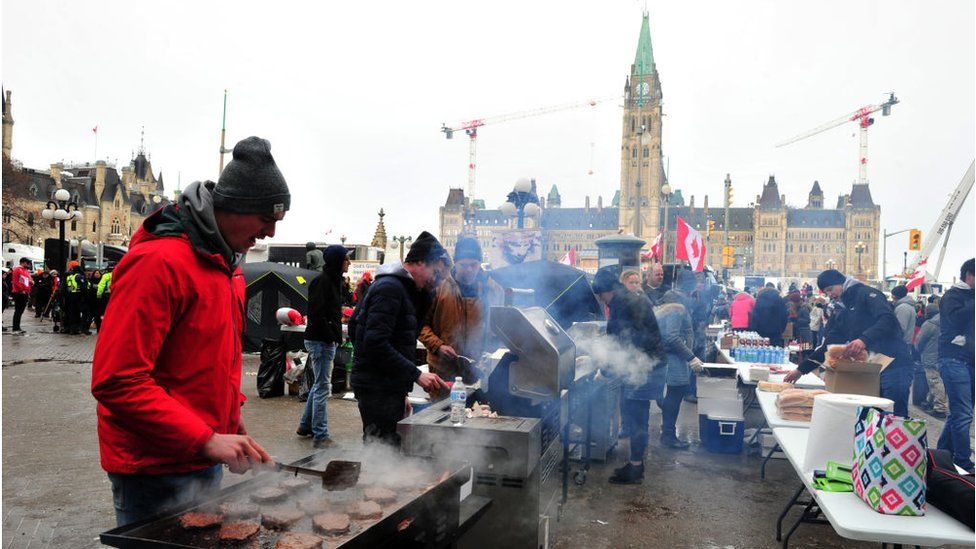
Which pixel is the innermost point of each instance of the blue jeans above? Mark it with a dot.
(957, 376)
(139, 497)
(896, 383)
(316, 416)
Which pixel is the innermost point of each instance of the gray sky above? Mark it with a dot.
(351, 96)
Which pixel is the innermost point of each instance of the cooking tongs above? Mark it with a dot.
(338, 475)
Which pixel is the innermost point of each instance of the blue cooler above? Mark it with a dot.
(721, 425)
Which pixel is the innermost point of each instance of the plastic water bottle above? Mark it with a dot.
(458, 398)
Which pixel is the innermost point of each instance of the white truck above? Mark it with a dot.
(12, 253)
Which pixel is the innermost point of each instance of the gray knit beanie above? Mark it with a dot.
(251, 182)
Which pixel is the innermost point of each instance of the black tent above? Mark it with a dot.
(269, 287)
(562, 290)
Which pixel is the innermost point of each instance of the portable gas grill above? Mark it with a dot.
(515, 456)
(422, 517)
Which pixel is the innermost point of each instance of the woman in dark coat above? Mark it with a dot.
(768, 318)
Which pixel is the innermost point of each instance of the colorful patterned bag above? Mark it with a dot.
(889, 462)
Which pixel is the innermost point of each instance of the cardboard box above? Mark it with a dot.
(857, 378)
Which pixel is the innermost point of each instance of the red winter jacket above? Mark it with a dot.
(739, 311)
(20, 281)
(167, 366)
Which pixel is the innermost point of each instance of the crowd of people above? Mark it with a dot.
(74, 306)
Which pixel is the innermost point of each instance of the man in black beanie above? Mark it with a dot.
(458, 320)
(167, 366)
(864, 320)
(384, 329)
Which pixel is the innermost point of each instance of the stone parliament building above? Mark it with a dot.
(113, 202)
(769, 237)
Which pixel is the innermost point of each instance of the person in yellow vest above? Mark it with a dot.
(75, 288)
(102, 294)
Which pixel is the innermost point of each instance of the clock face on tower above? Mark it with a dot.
(643, 88)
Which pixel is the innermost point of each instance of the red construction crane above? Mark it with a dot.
(863, 117)
(471, 129)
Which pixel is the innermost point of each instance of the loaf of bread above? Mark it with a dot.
(774, 386)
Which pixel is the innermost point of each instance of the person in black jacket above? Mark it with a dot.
(863, 320)
(633, 324)
(384, 329)
(768, 318)
(956, 357)
(322, 335)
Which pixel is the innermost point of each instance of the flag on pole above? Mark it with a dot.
(95, 129)
(918, 277)
(656, 249)
(690, 246)
(569, 258)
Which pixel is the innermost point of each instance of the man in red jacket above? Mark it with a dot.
(167, 365)
(20, 287)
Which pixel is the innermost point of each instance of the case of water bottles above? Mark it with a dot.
(761, 354)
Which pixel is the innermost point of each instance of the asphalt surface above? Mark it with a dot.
(56, 495)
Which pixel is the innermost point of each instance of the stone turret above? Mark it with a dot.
(99, 179)
(8, 125)
(379, 237)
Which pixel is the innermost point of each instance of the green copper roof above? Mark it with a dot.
(478, 203)
(644, 61)
(616, 199)
(553, 192)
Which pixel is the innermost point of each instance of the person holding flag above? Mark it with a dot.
(690, 246)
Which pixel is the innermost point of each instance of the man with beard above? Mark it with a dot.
(458, 320)
(384, 330)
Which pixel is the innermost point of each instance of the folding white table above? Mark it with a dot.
(851, 518)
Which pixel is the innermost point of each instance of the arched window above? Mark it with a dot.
(633, 152)
(93, 227)
(30, 219)
(647, 152)
(116, 226)
(633, 124)
(32, 190)
(74, 225)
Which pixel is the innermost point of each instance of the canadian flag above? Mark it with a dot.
(690, 246)
(918, 277)
(656, 249)
(569, 258)
(95, 129)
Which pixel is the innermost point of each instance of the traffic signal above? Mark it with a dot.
(711, 225)
(728, 195)
(728, 256)
(915, 240)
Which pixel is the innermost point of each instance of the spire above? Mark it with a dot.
(142, 140)
(554, 199)
(644, 60)
(770, 199)
(379, 237)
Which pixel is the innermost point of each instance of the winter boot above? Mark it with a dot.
(628, 474)
(672, 441)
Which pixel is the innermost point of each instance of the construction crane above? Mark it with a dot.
(943, 225)
(471, 129)
(863, 117)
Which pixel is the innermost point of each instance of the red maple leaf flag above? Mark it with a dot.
(95, 129)
(569, 258)
(656, 250)
(690, 246)
(918, 277)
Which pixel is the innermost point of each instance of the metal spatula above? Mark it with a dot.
(338, 474)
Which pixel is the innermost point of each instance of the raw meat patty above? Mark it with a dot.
(194, 521)
(237, 531)
(299, 540)
(380, 495)
(269, 494)
(238, 509)
(294, 484)
(331, 523)
(281, 518)
(367, 510)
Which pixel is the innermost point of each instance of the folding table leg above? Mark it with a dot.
(800, 519)
(762, 469)
(786, 510)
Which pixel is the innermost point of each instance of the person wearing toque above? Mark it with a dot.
(384, 330)
(167, 367)
(863, 321)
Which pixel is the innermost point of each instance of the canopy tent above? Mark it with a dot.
(271, 286)
(562, 290)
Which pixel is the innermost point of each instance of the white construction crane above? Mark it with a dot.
(471, 129)
(943, 225)
(863, 117)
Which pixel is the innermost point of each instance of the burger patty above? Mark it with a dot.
(367, 510)
(269, 494)
(281, 518)
(299, 540)
(294, 484)
(240, 509)
(196, 521)
(240, 530)
(380, 495)
(313, 505)
(331, 523)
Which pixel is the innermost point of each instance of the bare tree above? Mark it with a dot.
(20, 222)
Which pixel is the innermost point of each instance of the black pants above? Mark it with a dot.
(636, 415)
(380, 412)
(670, 405)
(20, 303)
(72, 313)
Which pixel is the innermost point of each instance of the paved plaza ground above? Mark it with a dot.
(56, 495)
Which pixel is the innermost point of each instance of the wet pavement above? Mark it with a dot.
(56, 495)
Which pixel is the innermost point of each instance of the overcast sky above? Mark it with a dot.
(352, 95)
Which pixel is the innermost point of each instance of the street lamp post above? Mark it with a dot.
(859, 249)
(61, 209)
(521, 202)
(666, 192)
(401, 242)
